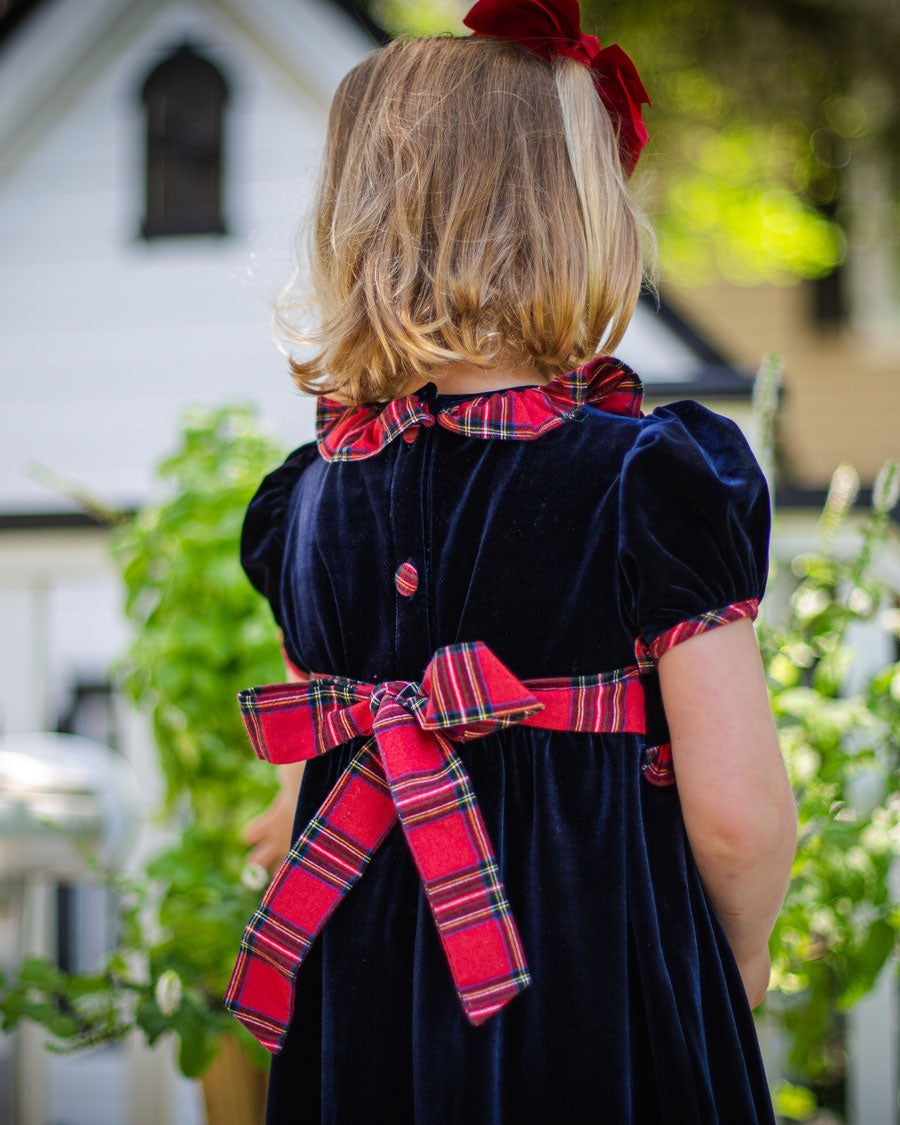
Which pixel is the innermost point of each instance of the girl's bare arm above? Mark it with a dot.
(738, 808)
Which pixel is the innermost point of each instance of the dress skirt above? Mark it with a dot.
(636, 1012)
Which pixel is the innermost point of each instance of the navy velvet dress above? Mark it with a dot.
(559, 526)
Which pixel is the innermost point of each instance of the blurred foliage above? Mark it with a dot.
(201, 634)
(759, 111)
(433, 17)
(840, 734)
(839, 728)
(200, 628)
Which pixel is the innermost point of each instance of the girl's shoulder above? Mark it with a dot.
(694, 524)
(262, 535)
(686, 435)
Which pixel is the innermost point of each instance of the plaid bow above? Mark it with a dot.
(407, 771)
(553, 27)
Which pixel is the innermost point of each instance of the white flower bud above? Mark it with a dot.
(890, 620)
(860, 602)
(810, 603)
(841, 497)
(843, 488)
(254, 877)
(886, 491)
(767, 384)
(803, 655)
(168, 992)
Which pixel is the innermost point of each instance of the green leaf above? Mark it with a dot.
(40, 973)
(151, 1020)
(196, 1051)
(796, 1103)
(63, 1027)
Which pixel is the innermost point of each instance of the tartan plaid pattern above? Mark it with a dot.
(657, 765)
(606, 703)
(326, 860)
(352, 433)
(406, 580)
(690, 627)
(409, 771)
(447, 837)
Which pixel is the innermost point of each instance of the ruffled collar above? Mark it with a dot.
(352, 433)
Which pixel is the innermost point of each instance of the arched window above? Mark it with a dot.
(184, 100)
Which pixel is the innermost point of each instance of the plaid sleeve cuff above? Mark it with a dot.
(693, 626)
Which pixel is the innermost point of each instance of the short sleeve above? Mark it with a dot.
(693, 528)
(263, 534)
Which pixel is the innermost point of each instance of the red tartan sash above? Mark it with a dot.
(408, 771)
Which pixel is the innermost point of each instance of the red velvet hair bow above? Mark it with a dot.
(554, 28)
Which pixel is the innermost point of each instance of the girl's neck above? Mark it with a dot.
(467, 378)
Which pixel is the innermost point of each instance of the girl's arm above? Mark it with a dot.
(271, 831)
(738, 808)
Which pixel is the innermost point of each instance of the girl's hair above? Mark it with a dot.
(472, 207)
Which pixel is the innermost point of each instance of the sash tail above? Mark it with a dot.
(449, 843)
(324, 863)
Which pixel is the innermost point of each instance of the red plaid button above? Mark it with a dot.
(406, 579)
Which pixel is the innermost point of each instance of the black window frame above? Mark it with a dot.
(184, 100)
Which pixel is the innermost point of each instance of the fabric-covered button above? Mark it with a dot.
(657, 766)
(406, 579)
(410, 435)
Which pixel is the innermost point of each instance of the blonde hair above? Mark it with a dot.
(472, 207)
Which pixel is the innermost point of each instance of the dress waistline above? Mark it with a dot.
(409, 770)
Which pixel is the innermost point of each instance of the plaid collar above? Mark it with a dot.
(352, 433)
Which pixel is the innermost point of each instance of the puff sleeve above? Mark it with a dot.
(693, 527)
(263, 533)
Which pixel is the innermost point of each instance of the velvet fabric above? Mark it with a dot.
(557, 553)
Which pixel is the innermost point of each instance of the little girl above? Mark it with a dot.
(516, 610)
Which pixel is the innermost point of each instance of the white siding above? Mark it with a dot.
(106, 337)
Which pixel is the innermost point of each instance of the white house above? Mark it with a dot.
(123, 301)
(113, 318)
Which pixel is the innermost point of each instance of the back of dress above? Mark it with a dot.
(573, 537)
